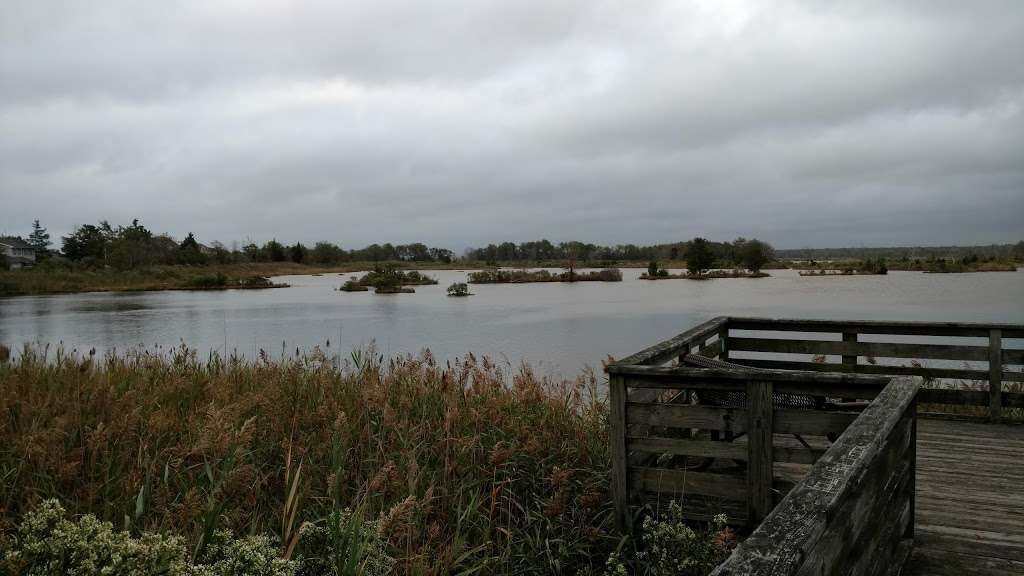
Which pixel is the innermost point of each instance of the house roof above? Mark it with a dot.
(15, 242)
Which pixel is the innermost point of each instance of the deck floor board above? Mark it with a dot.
(970, 515)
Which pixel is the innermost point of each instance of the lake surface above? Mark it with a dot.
(556, 327)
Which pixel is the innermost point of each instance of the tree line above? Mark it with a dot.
(705, 253)
(133, 246)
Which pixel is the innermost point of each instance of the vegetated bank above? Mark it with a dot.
(387, 280)
(310, 465)
(498, 276)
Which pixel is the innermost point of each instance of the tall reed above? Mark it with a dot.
(469, 467)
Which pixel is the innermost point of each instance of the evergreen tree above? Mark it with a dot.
(39, 239)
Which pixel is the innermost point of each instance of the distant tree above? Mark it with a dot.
(297, 253)
(699, 257)
(327, 253)
(274, 251)
(3, 261)
(39, 239)
(131, 247)
(754, 254)
(189, 253)
(86, 242)
(252, 252)
(652, 268)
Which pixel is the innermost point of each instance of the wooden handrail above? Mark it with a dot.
(855, 506)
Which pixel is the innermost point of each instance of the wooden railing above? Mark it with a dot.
(853, 504)
(846, 341)
(654, 418)
(854, 510)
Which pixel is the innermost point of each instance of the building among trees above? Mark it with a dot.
(17, 252)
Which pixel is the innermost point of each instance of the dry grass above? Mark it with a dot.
(468, 466)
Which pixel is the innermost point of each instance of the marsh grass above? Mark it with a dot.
(467, 467)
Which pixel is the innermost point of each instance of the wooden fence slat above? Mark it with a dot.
(686, 416)
(684, 482)
(873, 349)
(620, 487)
(759, 445)
(688, 447)
(812, 422)
(668, 349)
(995, 369)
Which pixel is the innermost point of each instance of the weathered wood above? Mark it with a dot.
(685, 416)
(924, 372)
(684, 482)
(850, 360)
(875, 327)
(688, 447)
(759, 449)
(951, 396)
(711, 350)
(680, 377)
(786, 541)
(995, 369)
(812, 422)
(617, 416)
(854, 349)
(723, 336)
(668, 349)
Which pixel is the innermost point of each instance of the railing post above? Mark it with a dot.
(995, 374)
(723, 335)
(912, 454)
(620, 488)
(847, 359)
(759, 466)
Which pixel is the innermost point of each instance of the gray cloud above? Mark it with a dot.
(463, 122)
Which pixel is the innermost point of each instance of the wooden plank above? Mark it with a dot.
(688, 447)
(759, 449)
(995, 369)
(812, 422)
(685, 416)
(685, 482)
(874, 349)
(955, 397)
(1013, 356)
(711, 350)
(681, 377)
(875, 327)
(925, 372)
(668, 349)
(850, 359)
(617, 434)
(723, 336)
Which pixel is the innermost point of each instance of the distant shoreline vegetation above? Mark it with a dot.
(104, 258)
(531, 276)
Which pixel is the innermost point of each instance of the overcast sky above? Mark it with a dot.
(463, 122)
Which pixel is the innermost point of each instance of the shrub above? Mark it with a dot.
(216, 280)
(459, 289)
(48, 543)
(670, 547)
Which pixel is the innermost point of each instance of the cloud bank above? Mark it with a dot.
(461, 122)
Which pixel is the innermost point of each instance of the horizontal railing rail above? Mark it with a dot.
(843, 340)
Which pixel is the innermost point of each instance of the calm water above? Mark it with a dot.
(559, 328)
